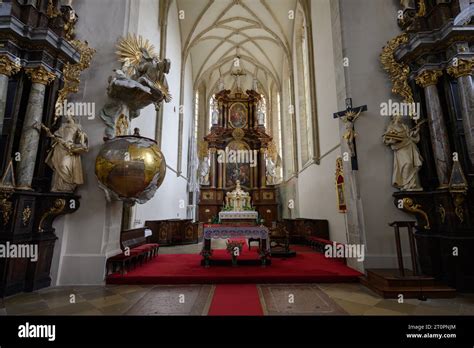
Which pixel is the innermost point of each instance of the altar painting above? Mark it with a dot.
(238, 115)
(237, 171)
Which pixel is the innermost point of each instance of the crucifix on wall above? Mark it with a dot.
(349, 117)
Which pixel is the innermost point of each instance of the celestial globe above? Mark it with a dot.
(130, 168)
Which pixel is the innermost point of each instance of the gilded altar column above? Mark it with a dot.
(30, 136)
(213, 152)
(439, 134)
(463, 72)
(262, 168)
(220, 174)
(8, 68)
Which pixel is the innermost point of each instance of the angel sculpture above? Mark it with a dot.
(142, 65)
(140, 82)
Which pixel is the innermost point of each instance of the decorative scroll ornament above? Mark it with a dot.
(428, 78)
(56, 209)
(398, 72)
(7, 187)
(26, 216)
(410, 206)
(442, 213)
(341, 197)
(464, 67)
(52, 11)
(238, 134)
(9, 67)
(70, 20)
(6, 207)
(421, 8)
(72, 74)
(40, 75)
(458, 187)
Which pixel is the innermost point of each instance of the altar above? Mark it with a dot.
(238, 153)
(232, 232)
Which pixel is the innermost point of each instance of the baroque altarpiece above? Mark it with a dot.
(238, 129)
(432, 64)
(40, 66)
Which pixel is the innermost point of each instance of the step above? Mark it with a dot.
(436, 290)
(392, 278)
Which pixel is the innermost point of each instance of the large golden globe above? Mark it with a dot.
(130, 168)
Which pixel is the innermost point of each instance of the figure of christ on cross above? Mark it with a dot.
(349, 117)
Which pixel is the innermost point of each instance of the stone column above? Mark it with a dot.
(463, 72)
(213, 178)
(439, 134)
(8, 68)
(30, 135)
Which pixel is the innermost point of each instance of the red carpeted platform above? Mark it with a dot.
(239, 300)
(305, 267)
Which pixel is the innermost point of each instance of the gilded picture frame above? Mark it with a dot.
(238, 115)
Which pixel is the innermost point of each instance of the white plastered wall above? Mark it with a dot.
(316, 187)
(88, 237)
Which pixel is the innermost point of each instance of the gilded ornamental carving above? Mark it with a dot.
(463, 67)
(40, 75)
(428, 78)
(9, 67)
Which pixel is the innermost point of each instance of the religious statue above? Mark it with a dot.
(204, 171)
(140, 82)
(122, 126)
(407, 160)
(215, 112)
(69, 142)
(221, 85)
(272, 169)
(407, 4)
(261, 111)
(349, 136)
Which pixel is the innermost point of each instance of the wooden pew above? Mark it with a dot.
(136, 249)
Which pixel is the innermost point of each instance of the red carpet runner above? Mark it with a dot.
(306, 267)
(239, 300)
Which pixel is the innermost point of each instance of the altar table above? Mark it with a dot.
(230, 232)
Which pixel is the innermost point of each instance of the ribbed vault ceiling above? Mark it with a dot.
(214, 31)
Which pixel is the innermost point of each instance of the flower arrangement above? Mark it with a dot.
(231, 245)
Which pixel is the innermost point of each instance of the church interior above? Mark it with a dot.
(236, 157)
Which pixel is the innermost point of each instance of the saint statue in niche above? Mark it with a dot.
(204, 171)
(238, 116)
(407, 160)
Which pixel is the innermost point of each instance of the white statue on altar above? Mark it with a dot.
(238, 199)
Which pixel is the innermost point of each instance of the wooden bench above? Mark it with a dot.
(135, 251)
